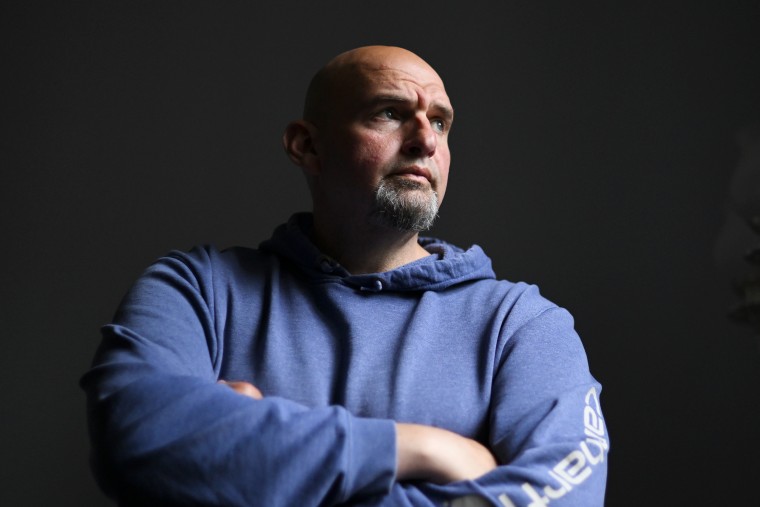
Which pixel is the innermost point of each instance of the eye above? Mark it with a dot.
(438, 125)
(388, 114)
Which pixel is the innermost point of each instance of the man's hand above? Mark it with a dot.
(244, 388)
(438, 455)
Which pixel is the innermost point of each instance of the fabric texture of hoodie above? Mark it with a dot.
(339, 358)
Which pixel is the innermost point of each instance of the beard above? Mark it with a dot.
(404, 205)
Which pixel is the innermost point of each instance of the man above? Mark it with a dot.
(348, 360)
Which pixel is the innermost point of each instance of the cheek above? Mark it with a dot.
(443, 162)
(373, 152)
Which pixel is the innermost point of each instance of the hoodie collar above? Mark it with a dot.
(446, 265)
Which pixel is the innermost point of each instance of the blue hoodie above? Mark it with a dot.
(339, 358)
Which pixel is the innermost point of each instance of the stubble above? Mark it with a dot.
(404, 205)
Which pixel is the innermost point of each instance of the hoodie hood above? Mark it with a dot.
(446, 266)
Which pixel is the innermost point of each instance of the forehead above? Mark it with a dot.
(401, 78)
(354, 80)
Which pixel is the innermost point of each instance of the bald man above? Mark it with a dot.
(348, 360)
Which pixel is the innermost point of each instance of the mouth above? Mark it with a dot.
(414, 173)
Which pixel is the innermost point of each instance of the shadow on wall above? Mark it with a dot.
(737, 249)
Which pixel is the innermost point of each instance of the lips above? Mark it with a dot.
(413, 171)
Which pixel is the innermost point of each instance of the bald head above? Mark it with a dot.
(373, 142)
(346, 72)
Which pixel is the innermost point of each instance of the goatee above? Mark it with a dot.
(404, 205)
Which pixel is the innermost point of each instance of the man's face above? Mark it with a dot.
(383, 146)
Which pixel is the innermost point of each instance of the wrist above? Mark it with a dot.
(417, 452)
(411, 460)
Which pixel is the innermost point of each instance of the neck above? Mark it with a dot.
(366, 248)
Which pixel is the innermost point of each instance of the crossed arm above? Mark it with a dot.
(163, 431)
(422, 452)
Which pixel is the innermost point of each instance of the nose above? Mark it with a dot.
(421, 141)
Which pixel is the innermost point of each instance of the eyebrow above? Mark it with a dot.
(442, 109)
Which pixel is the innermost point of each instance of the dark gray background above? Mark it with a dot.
(591, 155)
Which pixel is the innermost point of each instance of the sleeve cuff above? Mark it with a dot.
(371, 457)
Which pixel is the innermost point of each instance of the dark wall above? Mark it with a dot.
(591, 155)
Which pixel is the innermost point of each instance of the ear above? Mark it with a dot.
(299, 143)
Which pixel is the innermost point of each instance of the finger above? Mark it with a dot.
(244, 388)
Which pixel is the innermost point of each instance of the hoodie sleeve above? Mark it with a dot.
(163, 432)
(547, 429)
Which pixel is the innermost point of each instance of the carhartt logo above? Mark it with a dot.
(576, 467)
(571, 470)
